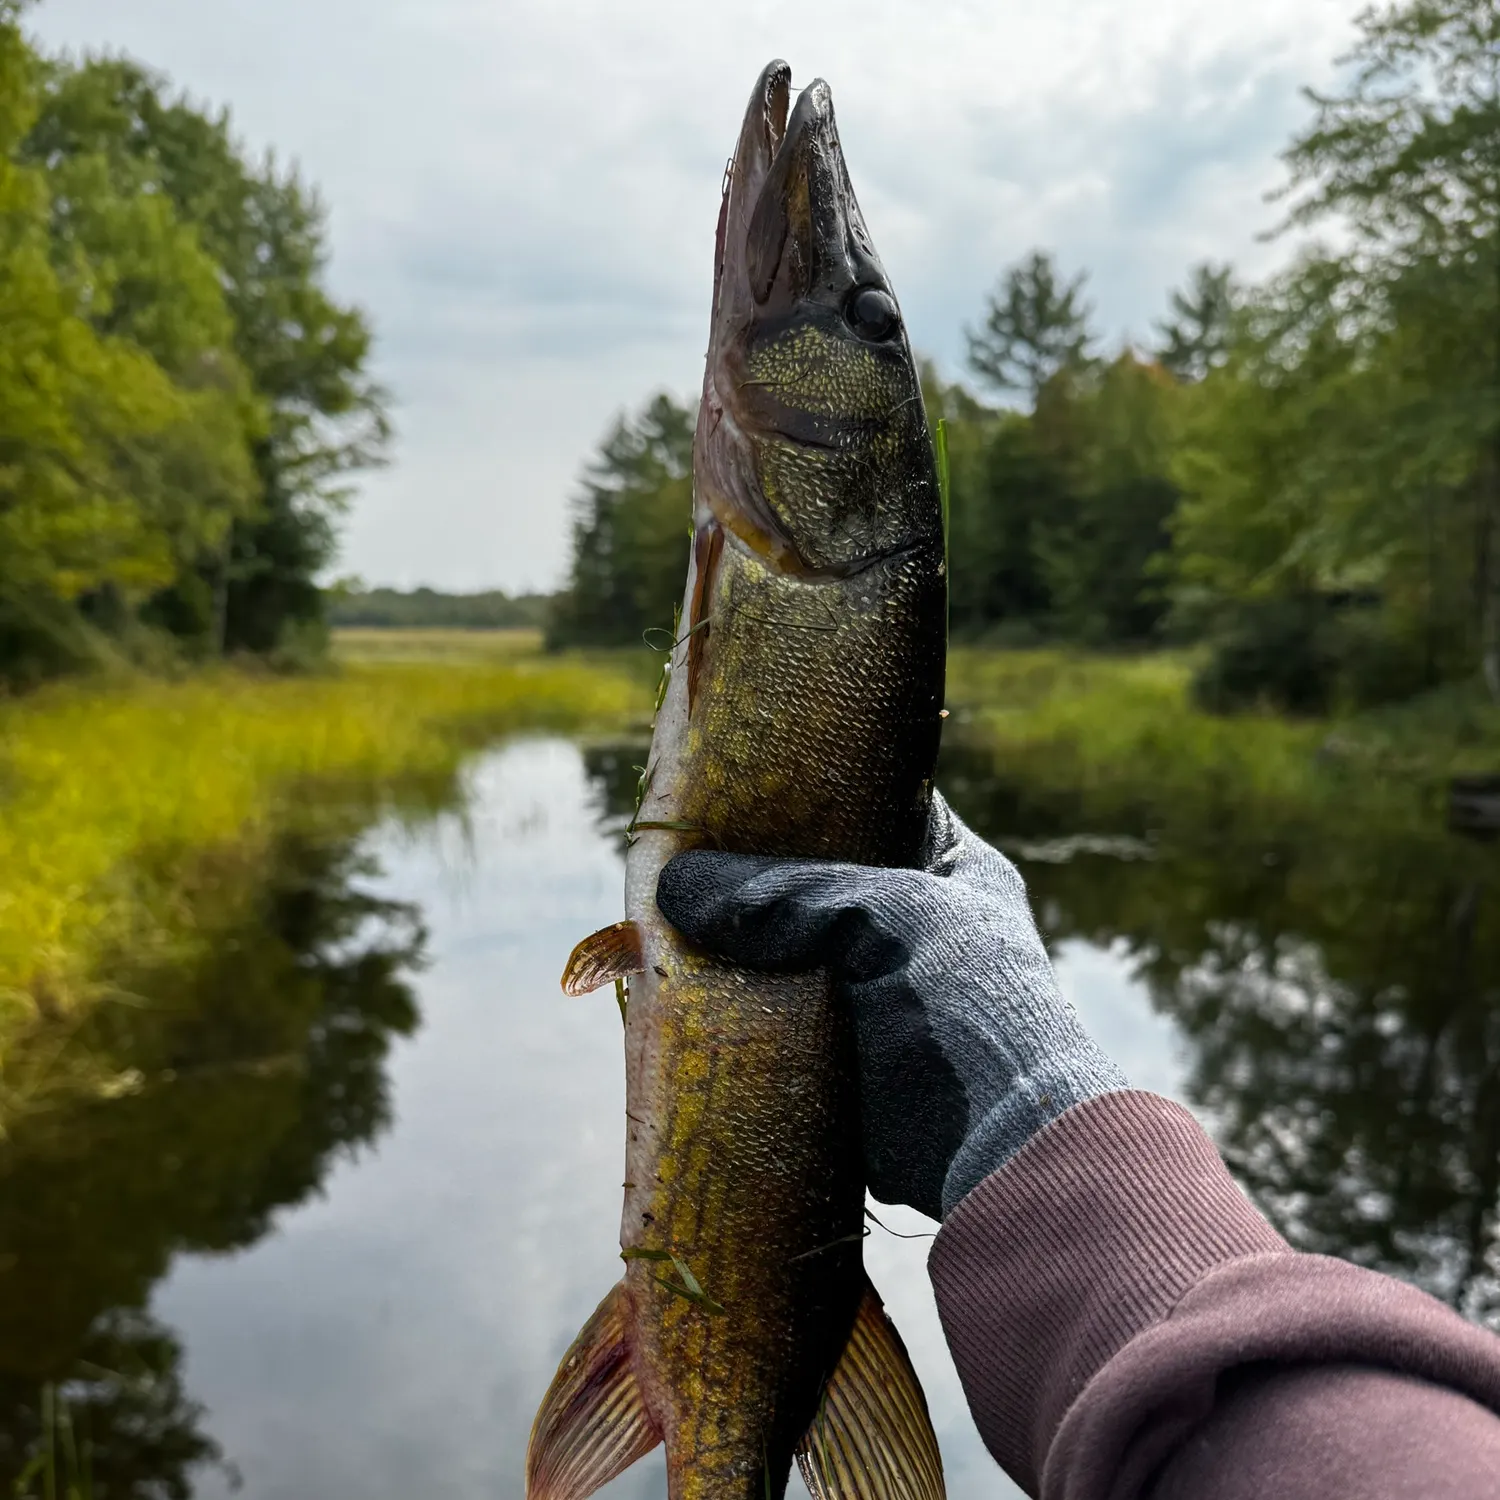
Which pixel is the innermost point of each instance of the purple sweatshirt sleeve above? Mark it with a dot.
(1126, 1324)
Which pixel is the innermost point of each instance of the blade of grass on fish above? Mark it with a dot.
(848, 1239)
(698, 1299)
(688, 1279)
(633, 829)
(689, 1289)
(925, 1234)
(622, 1000)
(945, 499)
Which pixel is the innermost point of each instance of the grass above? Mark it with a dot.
(1096, 719)
(113, 797)
(450, 647)
(110, 796)
(61, 1468)
(1128, 724)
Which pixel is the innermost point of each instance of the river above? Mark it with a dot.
(364, 1185)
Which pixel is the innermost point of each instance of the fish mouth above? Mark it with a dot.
(788, 222)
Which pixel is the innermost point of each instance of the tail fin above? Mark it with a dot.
(872, 1438)
(593, 1423)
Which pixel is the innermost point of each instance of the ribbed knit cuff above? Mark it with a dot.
(1088, 1235)
(1067, 1076)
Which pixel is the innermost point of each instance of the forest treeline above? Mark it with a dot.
(1302, 474)
(181, 397)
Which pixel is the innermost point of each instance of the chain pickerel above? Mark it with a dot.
(800, 717)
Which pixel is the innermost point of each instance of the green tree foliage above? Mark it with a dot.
(1036, 325)
(1001, 491)
(107, 452)
(179, 396)
(1343, 467)
(263, 232)
(1107, 430)
(632, 521)
(1059, 516)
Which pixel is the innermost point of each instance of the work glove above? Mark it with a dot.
(966, 1045)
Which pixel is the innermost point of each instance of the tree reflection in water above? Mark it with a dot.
(258, 1065)
(1336, 979)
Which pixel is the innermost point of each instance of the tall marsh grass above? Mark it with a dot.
(114, 801)
(110, 796)
(1128, 725)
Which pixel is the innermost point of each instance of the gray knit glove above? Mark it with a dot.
(966, 1046)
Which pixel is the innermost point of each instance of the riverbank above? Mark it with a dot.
(1128, 725)
(119, 803)
(124, 807)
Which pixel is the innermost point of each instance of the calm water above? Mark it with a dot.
(367, 1186)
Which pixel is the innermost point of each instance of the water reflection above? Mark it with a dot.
(217, 1281)
(1334, 984)
(1337, 983)
(256, 1067)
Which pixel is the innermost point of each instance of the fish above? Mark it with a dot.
(800, 716)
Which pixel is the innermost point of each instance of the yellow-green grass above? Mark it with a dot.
(110, 796)
(1099, 718)
(369, 645)
(1129, 724)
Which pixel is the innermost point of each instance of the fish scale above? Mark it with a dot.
(800, 717)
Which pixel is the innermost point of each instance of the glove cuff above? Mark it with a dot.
(1035, 1098)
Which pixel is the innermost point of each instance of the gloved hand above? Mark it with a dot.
(966, 1045)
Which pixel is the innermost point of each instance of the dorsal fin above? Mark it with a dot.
(614, 952)
(872, 1438)
(592, 1423)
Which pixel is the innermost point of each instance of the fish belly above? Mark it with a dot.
(744, 1161)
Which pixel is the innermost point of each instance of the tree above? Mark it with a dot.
(107, 453)
(1109, 434)
(1195, 335)
(173, 170)
(1037, 324)
(1341, 469)
(1001, 487)
(1409, 157)
(631, 525)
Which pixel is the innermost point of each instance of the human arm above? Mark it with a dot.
(1125, 1323)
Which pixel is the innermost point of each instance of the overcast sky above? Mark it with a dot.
(523, 192)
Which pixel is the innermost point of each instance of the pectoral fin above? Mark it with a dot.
(609, 954)
(593, 1423)
(872, 1438)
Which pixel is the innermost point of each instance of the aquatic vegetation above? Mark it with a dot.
(1128, 725)
(110, 796)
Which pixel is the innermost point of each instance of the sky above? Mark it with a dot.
(522, 193)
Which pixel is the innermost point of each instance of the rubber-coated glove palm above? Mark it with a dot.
(966, 1045)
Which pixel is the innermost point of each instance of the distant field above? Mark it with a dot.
(375, 644)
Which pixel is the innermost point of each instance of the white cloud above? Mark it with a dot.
(523, 193)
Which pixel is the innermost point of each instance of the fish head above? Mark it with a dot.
(812, 444)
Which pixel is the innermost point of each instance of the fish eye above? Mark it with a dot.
(871, 313)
